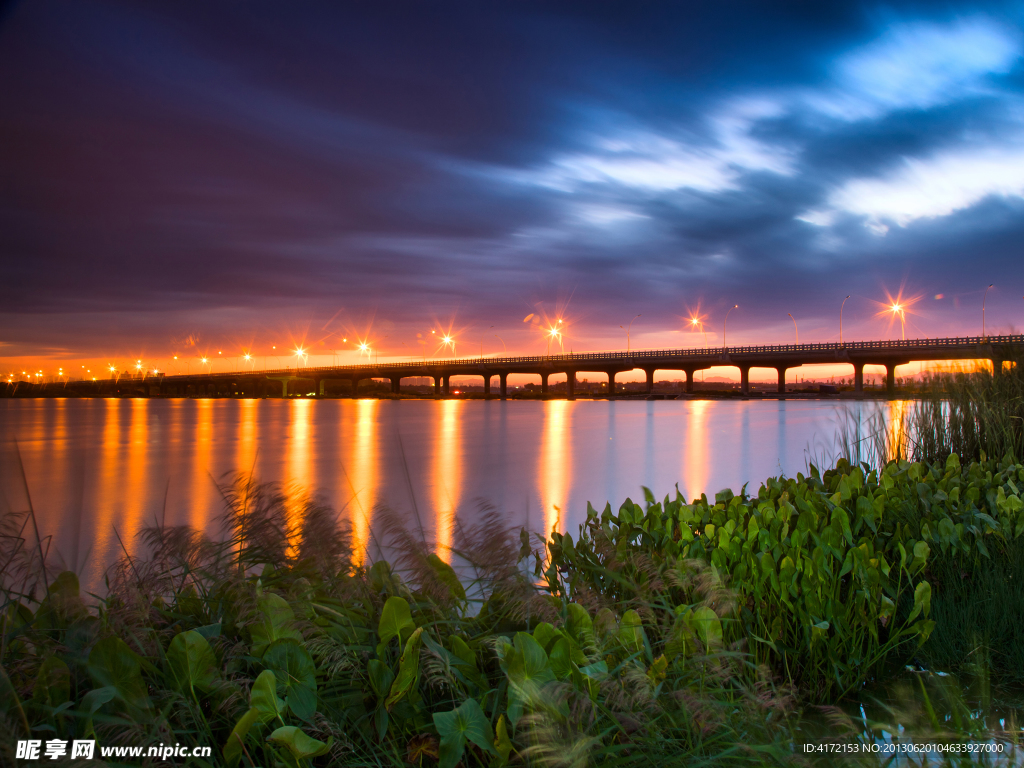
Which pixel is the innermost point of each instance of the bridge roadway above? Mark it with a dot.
(779, 357)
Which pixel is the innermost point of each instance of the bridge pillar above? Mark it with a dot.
(437, 385)
(689, 380)
(858, 377)
(503, 378)
(487, 385)
(611, 382)
(446, 384)
(396, 385)
(355, 386)
(997, 367)
(890, 379)
(650, 379)
(782, 379)
(570, 385)
(544, 383)
(745, 379)
(284, 387)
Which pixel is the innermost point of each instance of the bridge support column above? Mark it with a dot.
(284, 388)
(544, 383)
(890, 379)
(437, 385)
(858, 377)
(997, 367)
(745, 380)
(503, 379)
(689, 380)
(611, 382)
(782, 379)
(446, 385)
(396, 385)
(487, 385)
(570, 385)
(650, 379)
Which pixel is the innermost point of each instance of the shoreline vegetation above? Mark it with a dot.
(726, 630)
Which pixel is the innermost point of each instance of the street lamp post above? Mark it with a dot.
(983, 298)
(627, 331)
(734, 306)
(841, 319)
(794, 326)
(502, 343)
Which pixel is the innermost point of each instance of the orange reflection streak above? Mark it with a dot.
(202, 487)
(695, 457)
(58, 460)
(247, 436)
(364, 478)
(555, 461)
(896, 437)
(447, 474)
(108, 490)
(300, 472)
(137, 459)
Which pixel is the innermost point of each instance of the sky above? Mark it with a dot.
(210, 179)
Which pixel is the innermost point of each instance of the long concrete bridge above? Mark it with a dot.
(778, 357)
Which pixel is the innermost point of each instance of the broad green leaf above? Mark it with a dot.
(631, 632)
(112, 663)
(463, 651)
(275, 622)
(53, 683)
(545, 634)
(381, 678)
(408, 669)
(465, 723)
(298, 743)
(233, 748)
(502, 743)
(707, 626)
(560, 658)
(447, 575)
(580, 626)
(191, 662)
(395, 621)
(922, 600)
(296, 673)
(263, 697)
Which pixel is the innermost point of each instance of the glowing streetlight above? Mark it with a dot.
(898, 309)
(794, 326)
(734, 306)
(983, 298)
(695, 323)
(841, 319)
(627, 331)
(553, 333)
(300, 353)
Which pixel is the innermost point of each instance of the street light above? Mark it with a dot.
(627, 331)
(794, 326)
(898, 309)
(983, 311)
(841, 320)
(696, 322)
(734, 306)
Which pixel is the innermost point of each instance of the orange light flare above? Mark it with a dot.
(897, 307)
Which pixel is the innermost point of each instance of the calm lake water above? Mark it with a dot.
(95, 466)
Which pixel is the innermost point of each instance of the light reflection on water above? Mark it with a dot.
(96, 466)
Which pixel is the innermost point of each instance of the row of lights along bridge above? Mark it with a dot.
(895, 309)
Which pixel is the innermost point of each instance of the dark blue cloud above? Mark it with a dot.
(233, 166)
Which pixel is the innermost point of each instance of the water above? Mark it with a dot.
(94, 466)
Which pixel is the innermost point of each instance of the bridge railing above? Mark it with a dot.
(698, 353)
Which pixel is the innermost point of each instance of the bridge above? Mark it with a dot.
(254, 383)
